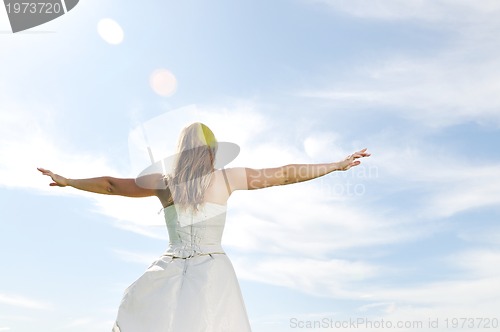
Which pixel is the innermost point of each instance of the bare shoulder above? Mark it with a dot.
(235, 178)
(155, 181)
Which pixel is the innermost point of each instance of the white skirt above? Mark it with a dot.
(194, 294)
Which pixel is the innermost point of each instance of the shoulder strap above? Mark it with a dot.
(227, 182)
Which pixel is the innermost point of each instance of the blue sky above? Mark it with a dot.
(410, 235)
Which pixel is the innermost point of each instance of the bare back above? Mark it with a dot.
(222, 184)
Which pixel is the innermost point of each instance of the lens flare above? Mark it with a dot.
(110, 31)
(163, 82)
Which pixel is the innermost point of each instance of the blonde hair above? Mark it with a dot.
(194, 166)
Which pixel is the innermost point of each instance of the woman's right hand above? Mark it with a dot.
(59, 181)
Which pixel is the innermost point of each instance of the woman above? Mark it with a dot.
(192, 286)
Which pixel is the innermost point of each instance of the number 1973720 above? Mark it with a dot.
(34, 8)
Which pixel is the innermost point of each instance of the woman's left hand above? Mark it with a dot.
(351, 161)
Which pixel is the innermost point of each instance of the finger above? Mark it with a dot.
(363, 152)
(45, 171)
(356, 163)
(361, 155)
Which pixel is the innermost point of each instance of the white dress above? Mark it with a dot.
(192, 287)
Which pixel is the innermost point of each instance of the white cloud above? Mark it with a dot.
(25, 143)
(446, 90)
(329, 277)
(30, 139)
(435, 11)
(301, 219)
(460, 295)
(476, 263)
(88, 324)
(484, 235)
(468, 292)
(319, 145)
(24, 302)
(457, 82)
(449, 184)
(79, 322)
(143, 259)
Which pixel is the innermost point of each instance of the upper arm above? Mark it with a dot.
(241, 178)
(142, 187)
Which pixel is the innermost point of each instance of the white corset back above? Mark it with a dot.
(193, 233)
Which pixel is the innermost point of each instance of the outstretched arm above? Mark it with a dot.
(249, 178)
(101, 185)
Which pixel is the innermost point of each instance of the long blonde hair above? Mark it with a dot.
(194, 166)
